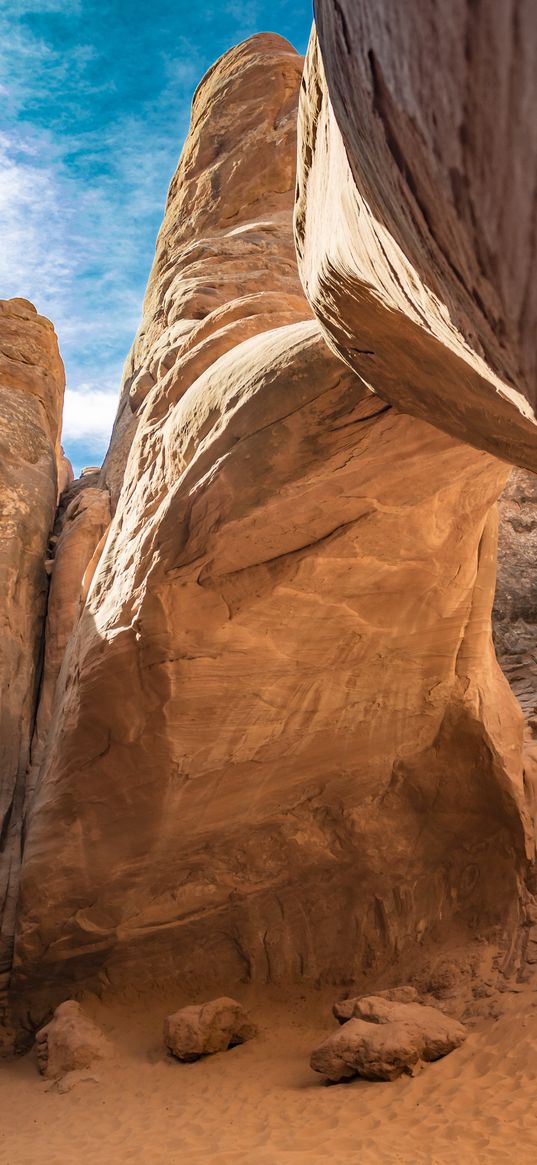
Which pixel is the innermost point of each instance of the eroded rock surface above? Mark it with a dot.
(31, 398)
(200, 1030)
(416, 246)
(70, 1042)
(385, 1038)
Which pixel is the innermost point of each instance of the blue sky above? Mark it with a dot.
(95, 98)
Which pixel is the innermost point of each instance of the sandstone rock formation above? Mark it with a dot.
(417, 208)
(225, 266)
(31, 398)
(386, 1038)
(200, 1030)
(70, 1042)
(281, 745)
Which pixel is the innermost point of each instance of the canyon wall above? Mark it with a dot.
(31, 399)
(281, 745)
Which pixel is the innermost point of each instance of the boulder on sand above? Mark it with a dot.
(70, 1042)
(201, 1029)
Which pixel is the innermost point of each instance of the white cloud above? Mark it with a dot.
(33, 214)
(88, 415)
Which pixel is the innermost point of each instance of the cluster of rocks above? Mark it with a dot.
(72, 1042)
(381, 1036)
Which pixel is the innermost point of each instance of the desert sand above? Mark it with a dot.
(260, 1103)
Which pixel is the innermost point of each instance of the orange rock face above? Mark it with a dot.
(414, 236)
(281, 746)
(31, 398)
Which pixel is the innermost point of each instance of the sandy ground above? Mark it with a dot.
(260, 1104)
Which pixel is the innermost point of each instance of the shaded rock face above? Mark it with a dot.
(515, 606)
(281, 745)
(82, 518)
(31, 397)
(416, 247)
(515, 603)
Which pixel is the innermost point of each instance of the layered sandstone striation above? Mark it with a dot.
(31, 398)
(417, 208)
(281, 747)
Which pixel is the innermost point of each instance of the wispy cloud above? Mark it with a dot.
(35, 213)
(66, 248)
